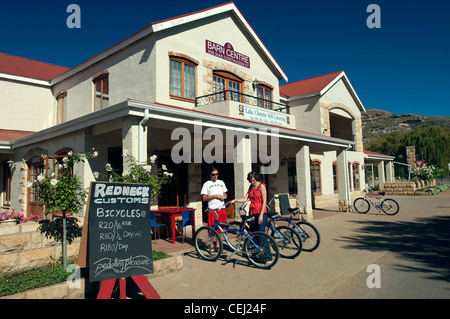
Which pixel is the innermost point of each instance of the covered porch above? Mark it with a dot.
(385, 169)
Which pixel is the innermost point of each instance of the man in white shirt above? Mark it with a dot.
(214, 192)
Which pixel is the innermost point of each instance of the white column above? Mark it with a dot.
(304, 181)
(389, 171)
(343, 180)
(381, 178)
(242, 166)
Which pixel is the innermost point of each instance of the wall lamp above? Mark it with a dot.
(255, 84)
(10, 164)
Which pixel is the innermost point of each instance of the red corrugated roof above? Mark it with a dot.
(311, 85)
(11, 135)
(15, 65)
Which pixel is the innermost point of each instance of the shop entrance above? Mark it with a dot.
(36, 167)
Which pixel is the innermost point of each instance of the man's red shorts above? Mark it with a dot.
(212, 217)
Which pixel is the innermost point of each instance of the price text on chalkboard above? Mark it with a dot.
(120, 242)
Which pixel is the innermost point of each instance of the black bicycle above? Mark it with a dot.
(309, 234)
(288, 240)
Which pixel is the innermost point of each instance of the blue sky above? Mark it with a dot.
(402, 67)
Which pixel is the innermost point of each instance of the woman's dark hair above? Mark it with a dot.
(252, 175)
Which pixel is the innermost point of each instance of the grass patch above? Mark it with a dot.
(55, 273)
(159, 255)
(11, 284)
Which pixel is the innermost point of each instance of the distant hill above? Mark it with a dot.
(377, 123)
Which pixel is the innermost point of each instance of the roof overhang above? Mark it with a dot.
(24, 79)
(377, 157)
(176, 115)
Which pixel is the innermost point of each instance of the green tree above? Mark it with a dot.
(63, 191)
(432, 145)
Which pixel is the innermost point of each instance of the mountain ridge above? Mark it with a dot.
(377, 123)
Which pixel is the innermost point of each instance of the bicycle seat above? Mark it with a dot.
(293, 210)
(247, 218)
(382, 193)
(273, 215)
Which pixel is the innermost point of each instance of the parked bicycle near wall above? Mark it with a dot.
(260, 249)
(309, 234)
(288, 240)
(387, 205)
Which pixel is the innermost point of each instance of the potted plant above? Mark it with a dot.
(143, 173)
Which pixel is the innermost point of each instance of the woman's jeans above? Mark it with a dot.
(267, 255)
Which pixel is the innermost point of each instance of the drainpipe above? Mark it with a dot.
(141, 159)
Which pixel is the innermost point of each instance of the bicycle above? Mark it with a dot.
(287, 239)
(260, 249)
(387, 205)
(309, 234)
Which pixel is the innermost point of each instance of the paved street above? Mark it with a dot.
(412, 250)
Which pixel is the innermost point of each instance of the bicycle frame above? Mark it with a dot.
(271, 224)
(285, 219)
(241, 231)
(376, 205)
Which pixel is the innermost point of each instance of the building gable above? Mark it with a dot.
(177, 22)
(319, 86)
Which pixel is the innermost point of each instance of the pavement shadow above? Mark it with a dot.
(422, 240)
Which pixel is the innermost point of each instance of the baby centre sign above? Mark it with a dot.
(227, 52)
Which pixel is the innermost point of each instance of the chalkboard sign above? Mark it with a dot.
(120, 243)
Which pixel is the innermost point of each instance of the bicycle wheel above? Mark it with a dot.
(309, 234)
(288, 241)
(361, 205)
(207, 243)
(261, 250)
(389, 206)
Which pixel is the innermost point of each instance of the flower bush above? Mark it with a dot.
(62, 190)
(140, 173)
(18, 217)
(424, 173)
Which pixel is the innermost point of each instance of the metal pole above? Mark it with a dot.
(64, 241)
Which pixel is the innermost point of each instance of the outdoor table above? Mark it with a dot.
(172, 212)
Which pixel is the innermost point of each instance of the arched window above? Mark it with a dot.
(228, 82)
(264, 94)
(101, 95)
(36, 167)
(61, 107)
(182, 77)
(356, 177)
(335, 177)
(316, 185)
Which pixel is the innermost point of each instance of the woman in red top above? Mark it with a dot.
(257, 194)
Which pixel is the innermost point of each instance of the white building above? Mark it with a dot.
(172, 75)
